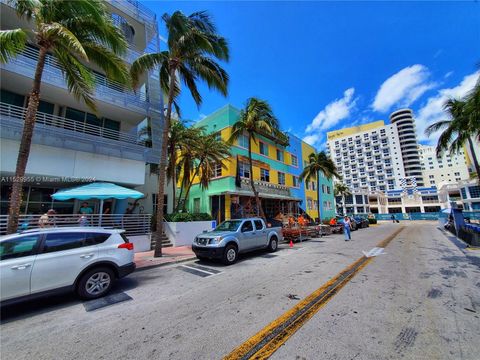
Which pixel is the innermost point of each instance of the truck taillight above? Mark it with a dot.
(128, 246)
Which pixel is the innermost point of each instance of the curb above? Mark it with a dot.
(148, 267)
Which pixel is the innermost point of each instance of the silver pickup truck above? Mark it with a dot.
(233, 237)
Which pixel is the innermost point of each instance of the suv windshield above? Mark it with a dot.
(229, 225)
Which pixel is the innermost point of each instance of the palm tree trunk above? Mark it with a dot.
(25, 144)
(319, 201)
(190, 184)
(174, 176)
(157, 234)
(344, 205)
(255, 192)
(474, 158)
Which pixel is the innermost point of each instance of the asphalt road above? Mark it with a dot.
(420, 300)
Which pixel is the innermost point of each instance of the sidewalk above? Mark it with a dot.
(171, 255)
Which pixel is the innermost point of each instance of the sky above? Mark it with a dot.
(324, 66)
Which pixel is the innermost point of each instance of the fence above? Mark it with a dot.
(473, 215)
(133, 224)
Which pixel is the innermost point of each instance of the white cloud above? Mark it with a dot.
(432, 111)
(448, 74)
(312, 139)
(403, 88)
(333, 112)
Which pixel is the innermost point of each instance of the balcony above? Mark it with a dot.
(105, 90)
(85, 137)
(135, 9)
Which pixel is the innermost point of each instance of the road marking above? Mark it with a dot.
(374, 252)
(198, 270)
(204, 268)
(263, 344)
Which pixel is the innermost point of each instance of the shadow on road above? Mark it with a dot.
(29, 308)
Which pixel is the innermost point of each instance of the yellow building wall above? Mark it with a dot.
(309, 194)
(355, 129)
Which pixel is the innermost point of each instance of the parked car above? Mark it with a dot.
(45, 261)
(233, 237)
(361, 222)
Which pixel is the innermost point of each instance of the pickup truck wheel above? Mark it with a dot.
(273, 244)
(230, 255)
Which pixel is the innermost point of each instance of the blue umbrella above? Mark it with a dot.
(98, 190)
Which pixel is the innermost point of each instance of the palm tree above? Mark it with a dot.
(464, 124)
(342, 190)
(319, 163)
(209, 152)
(193, 48)
(183, 144)
(255, 119)
(74, 33)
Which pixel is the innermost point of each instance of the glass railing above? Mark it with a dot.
(18, 113)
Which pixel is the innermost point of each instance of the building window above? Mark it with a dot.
(196, 205)
(265, 175)
(217, 169)
(263, 148)
(243, 141)
(314, 186)
(294, 160)
(295, 181)
(244, 170)
(279, 155)
(86, 122)
(309, 204)
(281, 178)
(474, 191)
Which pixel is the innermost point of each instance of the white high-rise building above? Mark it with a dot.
(449, 168)
(368, 156)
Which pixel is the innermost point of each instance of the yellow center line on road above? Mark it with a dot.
(264, 343)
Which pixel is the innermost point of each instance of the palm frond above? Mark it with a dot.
(26, 8)
(113, 66)
(189, 79)
(58, 33)
(439, 125)
(212, 73)
(12, 42)
(147, 62)
(79, 78)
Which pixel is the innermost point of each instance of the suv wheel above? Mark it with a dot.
(230, 255)
(273, 244)
(95, 283)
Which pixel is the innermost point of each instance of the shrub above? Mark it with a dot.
(372, 221)
(201, 217)
(182, 217)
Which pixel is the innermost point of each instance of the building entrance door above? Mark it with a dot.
(218, 207)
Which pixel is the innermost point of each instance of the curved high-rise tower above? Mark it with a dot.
(405, 123)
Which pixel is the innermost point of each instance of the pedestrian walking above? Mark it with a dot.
(393, 218)
(346, 228)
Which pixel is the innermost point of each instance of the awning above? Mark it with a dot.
(98, 190)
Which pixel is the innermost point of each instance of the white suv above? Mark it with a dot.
(43, 261)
